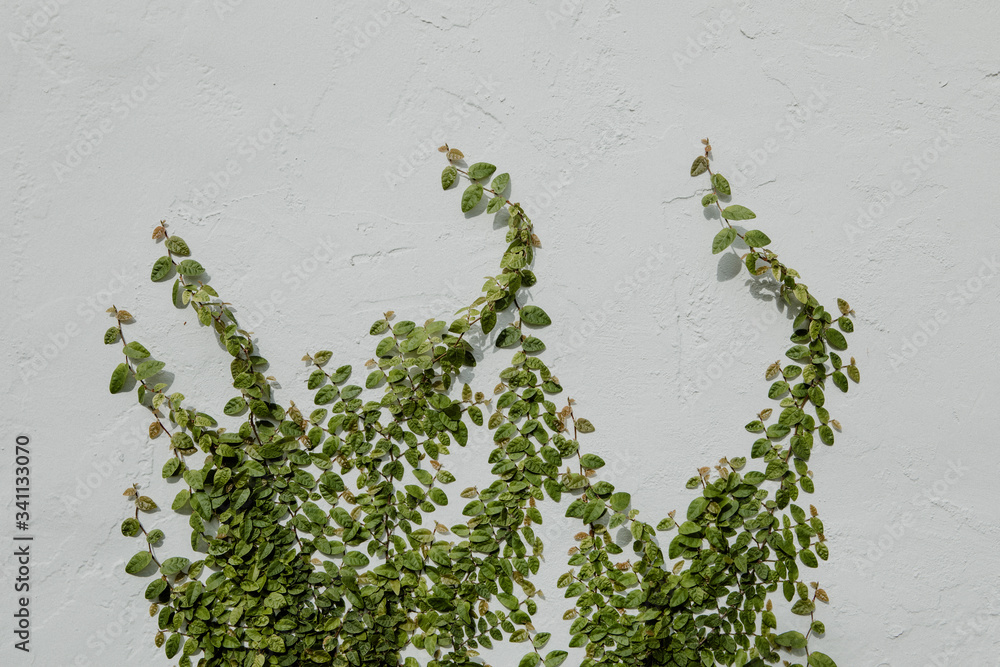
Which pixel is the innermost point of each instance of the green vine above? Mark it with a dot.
(318, 532)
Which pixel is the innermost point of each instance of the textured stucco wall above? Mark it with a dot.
(292, 145)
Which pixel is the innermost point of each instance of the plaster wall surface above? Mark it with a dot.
(293, 145)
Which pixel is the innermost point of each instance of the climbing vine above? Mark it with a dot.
(317, 525)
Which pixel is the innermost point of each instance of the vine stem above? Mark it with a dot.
(726, 220)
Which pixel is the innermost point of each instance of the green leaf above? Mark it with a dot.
(500, 183)
(505, 431)
(130, 527)
(190, 267)
(173, 645)
(723, 240)
(666, 524)
(138, 562)
(385, 348)
(145, 503)
(798, 352)
(808, 558)
(135, 350)
(438, 496)
(161, 269)
(111, 336)
(181, 440)
(836, 339)
(148, 369)
(584, 426)
(854, 373)
(181, 500)
(699, 166)
(532, 344)
(155, 589)
(476, 415)
(620, 501)
(118, 378)
(170, 467)
(172, 566)
(803, 607)
(737, 212)
(755, 238)
(374, 379)
(326, 394)
(495, 204)
(555, 658)
(315, 513)
(234, 406)
(509, 337)
(535, 316)
(177, 246)
(355, 559)
(696, 509)
(488, 320)
(791, 639)
(720, 183)
(530, 660)
(481, 170)
(817, 659)
(448, 177)
(709, 199)
(507, 600)
(592, 461)
(471, 197)
(840, 380)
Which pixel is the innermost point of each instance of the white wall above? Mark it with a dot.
(867, 138)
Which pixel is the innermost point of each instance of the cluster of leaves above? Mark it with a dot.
(318, 530)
